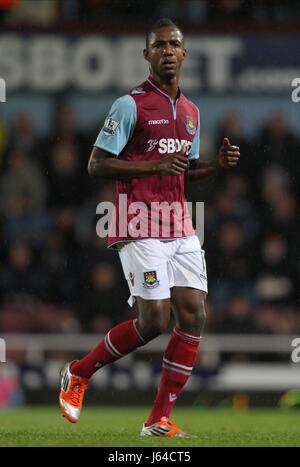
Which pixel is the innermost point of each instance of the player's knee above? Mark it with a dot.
(154, 323)
(200, 314)
(192, 318)
(196, 317)
(158, 325)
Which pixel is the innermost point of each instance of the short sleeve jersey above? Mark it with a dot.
(145, 125)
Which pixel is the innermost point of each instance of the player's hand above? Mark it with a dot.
(228, 155)
(174, 164)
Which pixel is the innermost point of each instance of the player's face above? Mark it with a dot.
(165, 52)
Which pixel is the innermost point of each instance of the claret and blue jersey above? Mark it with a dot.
(147, 125)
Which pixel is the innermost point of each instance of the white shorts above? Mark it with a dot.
(152, 267)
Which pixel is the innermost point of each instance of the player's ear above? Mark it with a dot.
(184, 52)
(146, 54)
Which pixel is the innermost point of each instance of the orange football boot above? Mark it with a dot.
(164, 428)
(71, 395)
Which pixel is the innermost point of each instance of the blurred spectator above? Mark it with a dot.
(63, 263)
(24, 225)
(22, 201)
(65, 161)
(21, 178)
(233, 203)
(23, 137)
(264, 318)
(100, 305)
(283, 217)
(276, 278)
(85, 227)
(22, 276)
(116, 9)
(278, 146)
(274, 319)
(238, 317)
(65, 127)
(230, 266)
(196, 12)
(37, 317)
(275, 11)
(65, 177)
(275, 183)
(170, 8)
(286, 321)
(229, 10)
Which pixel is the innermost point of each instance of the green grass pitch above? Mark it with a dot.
(108, 426)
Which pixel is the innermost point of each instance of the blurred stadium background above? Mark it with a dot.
(64, 62)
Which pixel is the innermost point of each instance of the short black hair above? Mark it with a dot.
(161, 23)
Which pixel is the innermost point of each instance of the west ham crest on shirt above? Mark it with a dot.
(110, 126)
(151, 281)
(190, 126)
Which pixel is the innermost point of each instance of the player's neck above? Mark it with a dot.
(170, 86)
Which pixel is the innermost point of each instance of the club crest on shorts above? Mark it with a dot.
(190, 126)
(151, 281)
(110, 126)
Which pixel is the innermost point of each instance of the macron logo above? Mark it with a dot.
(163, 121)
(172, 397)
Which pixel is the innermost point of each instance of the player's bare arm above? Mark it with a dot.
(228, 157)
(104, 166)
